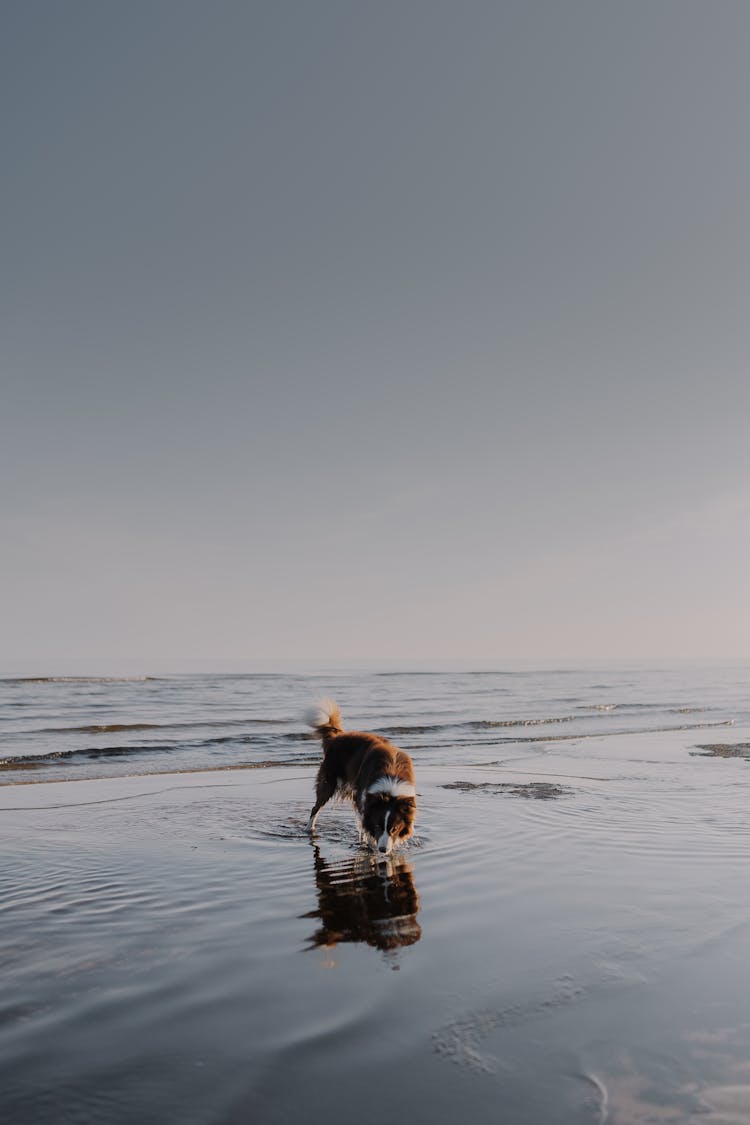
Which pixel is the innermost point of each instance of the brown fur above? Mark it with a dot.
(352, 762)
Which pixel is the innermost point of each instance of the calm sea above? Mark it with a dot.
(97, 726)
(563, 943)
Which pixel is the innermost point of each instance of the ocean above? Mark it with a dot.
(563, 942)
(55, 728)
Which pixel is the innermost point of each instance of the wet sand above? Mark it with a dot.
(564, 942)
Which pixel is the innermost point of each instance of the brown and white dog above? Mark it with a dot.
(376, 776)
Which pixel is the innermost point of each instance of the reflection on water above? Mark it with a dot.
(363, 899)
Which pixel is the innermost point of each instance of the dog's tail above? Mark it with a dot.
(325, 719)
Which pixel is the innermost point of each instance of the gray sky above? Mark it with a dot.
(362, 330)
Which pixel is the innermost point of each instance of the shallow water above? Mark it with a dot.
(564, 942)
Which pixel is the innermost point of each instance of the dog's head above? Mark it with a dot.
(388, 817)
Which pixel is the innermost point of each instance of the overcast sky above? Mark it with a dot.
(395, 329)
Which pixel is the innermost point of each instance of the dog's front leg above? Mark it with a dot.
(313, 817)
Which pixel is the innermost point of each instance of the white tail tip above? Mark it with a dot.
(323, 714)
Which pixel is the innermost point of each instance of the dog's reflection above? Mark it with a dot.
(365, 900)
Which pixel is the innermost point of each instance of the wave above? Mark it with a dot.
(77, 679)
(444, 734)
(429, 728)
(633, 706)
(551, 720)
(489, 724)
(254, 739)
(97, 728)
(582, 737)
(73, 757)
(31, 761)
(476, 724)
(402, 729)
(524, 672)
(636, 707)
(106, 728)
(449, 672)
(95, 753)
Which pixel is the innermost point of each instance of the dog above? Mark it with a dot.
(376, 776)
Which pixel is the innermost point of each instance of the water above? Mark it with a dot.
(58, 728)
(564, 942)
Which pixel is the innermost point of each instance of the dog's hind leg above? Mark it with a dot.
(325, 787)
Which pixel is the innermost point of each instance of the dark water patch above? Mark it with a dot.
(723, 750)
(536, 790)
